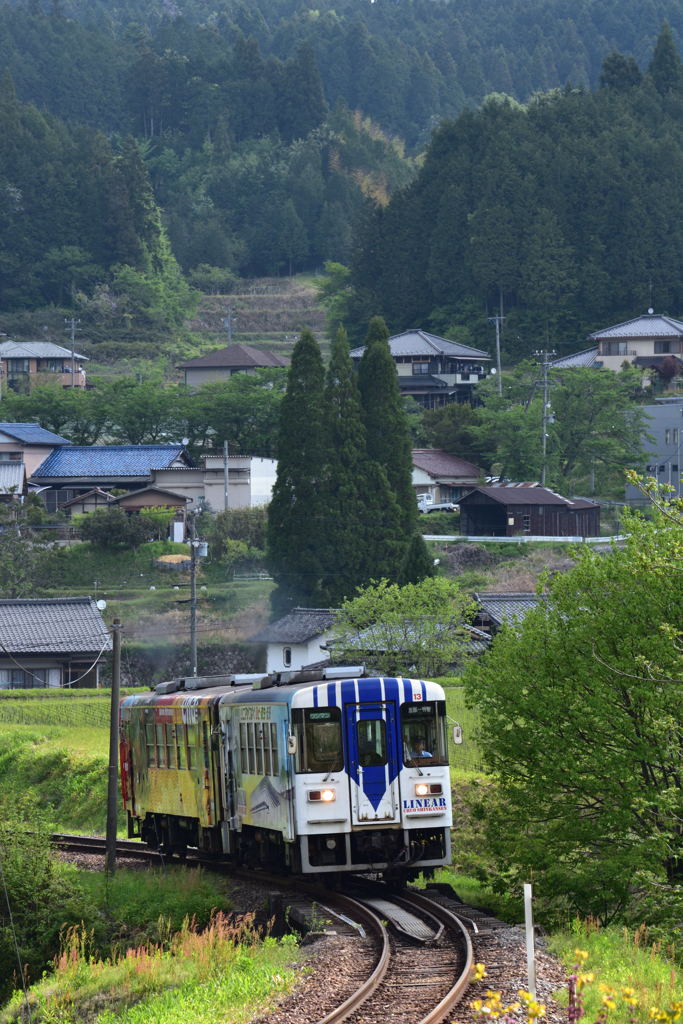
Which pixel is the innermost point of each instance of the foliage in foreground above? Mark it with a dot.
(208, 976)
(583, 703)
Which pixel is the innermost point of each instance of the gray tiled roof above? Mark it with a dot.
(441, 465)
(70, 625)
(31, 433)
(585, 358)
(236, 355)
(35, 350)
(300, 625)
(11, 477)
(419, 343)
(506, 607)
(650, 325)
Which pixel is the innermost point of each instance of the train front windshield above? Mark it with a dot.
(423, 728)
(319, 740)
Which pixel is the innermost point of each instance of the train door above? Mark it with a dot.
(374, 762)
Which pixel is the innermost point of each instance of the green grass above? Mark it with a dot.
(620, 959)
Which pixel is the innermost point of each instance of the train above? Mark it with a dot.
(310, 773)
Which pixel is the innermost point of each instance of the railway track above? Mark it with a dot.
(413, 955)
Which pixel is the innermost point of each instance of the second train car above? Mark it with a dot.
(301, 772)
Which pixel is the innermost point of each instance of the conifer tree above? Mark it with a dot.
(665, 67)
(388, 440)
(295, 514)
(418, 564)
(360, 513)
(388, 436)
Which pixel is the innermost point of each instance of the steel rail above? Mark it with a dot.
(458, 989)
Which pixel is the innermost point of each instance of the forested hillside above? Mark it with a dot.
(567, 211)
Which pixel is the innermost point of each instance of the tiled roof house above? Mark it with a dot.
(224, 362)
(51, 642)
(297, 640)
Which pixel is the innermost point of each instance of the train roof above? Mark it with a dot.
(274, 688)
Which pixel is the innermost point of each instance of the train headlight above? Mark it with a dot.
(428, 789)
(422, 789)
(325, 796)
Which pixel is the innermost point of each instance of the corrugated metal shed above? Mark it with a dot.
(107, 461)
(299, 626)
(31, 433)
(70, 625)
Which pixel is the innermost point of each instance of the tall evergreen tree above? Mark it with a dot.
(665, 67)
(295, 514)
(388, 440)
(386, 423)
(362, 533)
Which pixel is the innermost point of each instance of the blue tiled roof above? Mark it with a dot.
(108, 461)
(31, 433)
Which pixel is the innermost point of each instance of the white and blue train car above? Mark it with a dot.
(301, 773)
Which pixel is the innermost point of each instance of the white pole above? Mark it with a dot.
(530, 953)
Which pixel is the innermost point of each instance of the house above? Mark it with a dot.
(433, 370)
(663, 443)
(652, 342)
(297, 640)
(25, 363)
(73, 470)
(442, 476)
(250, 481)
(90, 501)
(496, 610)
(28, 443)
(51, 642)
(225, 362)
(537, 511)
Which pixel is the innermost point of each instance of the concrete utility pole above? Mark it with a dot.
(193, 594)
(227, 323)
(546, 417)
(498, 320)
(113, 778)
(71, 329)
(226, 496)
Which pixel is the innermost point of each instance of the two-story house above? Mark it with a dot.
(651, 342)
(25, 363)
(433, 370)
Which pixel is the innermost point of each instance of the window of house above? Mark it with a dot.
(421, 367)
(662, 347)
(615, 348)
(671, 435)
(287, 656)
(526, 523)
(18, 365)
(10, 456)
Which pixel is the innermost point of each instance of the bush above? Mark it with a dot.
(113, 528)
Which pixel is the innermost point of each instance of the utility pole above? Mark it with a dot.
(546, 416)
(193, 594)
(113, 778)
(498, 320)
(71, 329)
(226, 496)
(227, 323)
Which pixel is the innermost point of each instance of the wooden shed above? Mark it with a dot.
(538, 511)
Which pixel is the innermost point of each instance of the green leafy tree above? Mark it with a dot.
(416, 628)
(112, 528)
(581, 705)
(296, 543)
(21, 550)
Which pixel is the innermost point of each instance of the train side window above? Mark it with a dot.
(205, 743)
(244, 760)
(265, 746)
(191, 737)
(273, 749)
(258, 744)
(251, 744)
(423, 728)
(319, 740)
(171, 761)
(161, 745)
(150, 744)
(181, 744)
